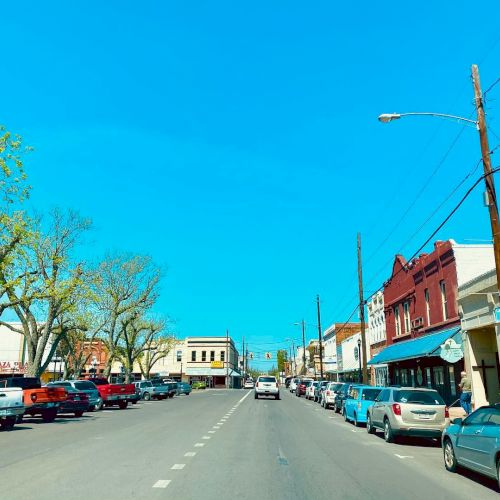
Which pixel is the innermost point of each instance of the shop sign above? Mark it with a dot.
(217, 364)
(12, 367)
(451, 351)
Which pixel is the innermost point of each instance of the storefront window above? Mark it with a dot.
(412, 377)
(453, 387)
(404, 378)
(438, 378)
(428, 377)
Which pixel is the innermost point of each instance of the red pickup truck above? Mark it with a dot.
(38, 400)
(114, 394)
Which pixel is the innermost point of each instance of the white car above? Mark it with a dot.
(310, 390)
(267, 385)
(248, 384)
(293, 384)
(11, 406)
(328, 395)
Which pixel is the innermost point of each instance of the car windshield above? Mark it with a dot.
(85, 386)
(336, 387)
(418, 397)
(370, 394)
(267, 379)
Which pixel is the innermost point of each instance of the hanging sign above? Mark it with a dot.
(451, 351)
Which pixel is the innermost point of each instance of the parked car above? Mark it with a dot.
(340, 396)
(183, 388)
(318, 391)
(144, 389)
(115, 394)
(358, 401)
(199, 385)
(77, 402)
(161, 389)
(89, 388)
(329, 394)
(171, 388)
(11, 406)
(267, 385)
(302, 386)
(38, 400)
(474, 442)
(310, 389)
(293, 384)
(408, 411)
(249, 384)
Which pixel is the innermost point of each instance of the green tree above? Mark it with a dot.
(282, 358)
(44, 284)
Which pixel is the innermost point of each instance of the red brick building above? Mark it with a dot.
(421, 314)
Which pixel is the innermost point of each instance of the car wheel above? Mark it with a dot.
(450, 461)
(78, 414)
(344, 414)
(388, 433)
(122, 405)
(8, 423)
(256, 396)
(49, 415)
(322, 403)
(100, 406)
(369, 427)
(277, 396)
(146, 396)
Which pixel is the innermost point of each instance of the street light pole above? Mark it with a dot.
(304, 345)
(320, 338)
(488, 176)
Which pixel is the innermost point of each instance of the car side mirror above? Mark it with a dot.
(458, 421)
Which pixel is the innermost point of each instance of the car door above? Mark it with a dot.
(488, 443)
(349, 403)
(377, 410)
(470, 440)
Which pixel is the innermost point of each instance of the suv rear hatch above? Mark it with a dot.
(421, 407)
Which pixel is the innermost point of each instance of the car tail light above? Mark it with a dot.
(257, 384)
(396, 409)
(327, 393)
(276, 384)
(446, 412)
(33, 397)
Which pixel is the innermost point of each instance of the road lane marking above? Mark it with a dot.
(199, 445)
(402, 456)
(211, 432)
(282, 460)
(243, 398)
(162, 483)
(190, 454)
(178, 466)
(206, 437)
(216, 427)
(220, 423)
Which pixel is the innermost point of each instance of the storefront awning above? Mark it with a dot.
(427, 345)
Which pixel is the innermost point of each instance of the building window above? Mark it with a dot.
(222, 355)
(193, 355)
(179, 355)
(444, 302)
(212, 355)
(397, 320)
(427, 306)
(453, 387)
(203, 355)
(406, 308)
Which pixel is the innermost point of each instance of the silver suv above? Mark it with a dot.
(408, 411)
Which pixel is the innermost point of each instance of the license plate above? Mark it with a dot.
(424, 417)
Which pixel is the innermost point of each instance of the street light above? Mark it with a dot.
(480, 125)
(359, 359)
(389, 117)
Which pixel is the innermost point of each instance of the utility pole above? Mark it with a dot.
(304, 345)
(227, 359)
(320, 337)
(362, 313)
(488, 176)
(294, 360)
(243, 358)
(291, 360)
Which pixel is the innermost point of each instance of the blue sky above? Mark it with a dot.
(237, 142)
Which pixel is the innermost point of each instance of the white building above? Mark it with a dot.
(351, 357)
(377, 336)
(330, 351)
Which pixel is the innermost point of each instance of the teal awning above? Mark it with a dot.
(427, 345)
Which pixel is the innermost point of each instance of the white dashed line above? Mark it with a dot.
(178, 466)
(220, 423)
(206, 437)
(216, 427)
(190, 454)
(199, 445)
(211, 432)
(162, 483)
(402, 456)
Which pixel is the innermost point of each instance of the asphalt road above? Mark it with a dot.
(221, 445)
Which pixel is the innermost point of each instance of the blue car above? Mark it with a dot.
(358, 401)
(474, 442)
(183, 388)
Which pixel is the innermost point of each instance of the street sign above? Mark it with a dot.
(217, 364)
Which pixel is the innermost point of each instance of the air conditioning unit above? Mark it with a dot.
(417, 323)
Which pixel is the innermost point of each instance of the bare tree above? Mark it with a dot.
(127, 288)
(50, 285)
